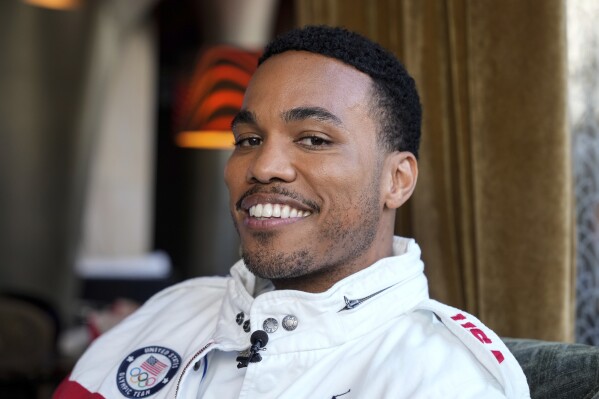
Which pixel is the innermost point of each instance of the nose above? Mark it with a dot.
(272, 162)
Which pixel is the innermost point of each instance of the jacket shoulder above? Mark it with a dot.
(483, 343)
(200, 286)
(175, 319)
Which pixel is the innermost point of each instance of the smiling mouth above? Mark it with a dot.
(270, 211)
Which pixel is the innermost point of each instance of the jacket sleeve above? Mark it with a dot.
(72, 390)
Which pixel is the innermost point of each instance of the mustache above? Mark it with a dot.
(280, 191)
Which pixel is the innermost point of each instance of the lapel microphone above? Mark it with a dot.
(259, 339)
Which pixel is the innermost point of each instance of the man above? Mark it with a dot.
(326, 302)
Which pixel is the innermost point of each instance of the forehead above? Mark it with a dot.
(300, 78)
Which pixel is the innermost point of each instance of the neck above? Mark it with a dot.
(327, 276)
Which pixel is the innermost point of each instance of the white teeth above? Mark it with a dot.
(267, 211)
(276, 211)
(258, 211)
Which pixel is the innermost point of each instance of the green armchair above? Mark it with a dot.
(557, 370)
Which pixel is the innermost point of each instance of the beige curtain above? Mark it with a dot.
(54, 70)
(493, 207)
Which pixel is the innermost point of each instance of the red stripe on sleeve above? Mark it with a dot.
(72, 390)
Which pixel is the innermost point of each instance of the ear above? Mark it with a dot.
(401, 173)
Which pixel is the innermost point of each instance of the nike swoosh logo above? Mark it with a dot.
(341, 394)
(352, 303)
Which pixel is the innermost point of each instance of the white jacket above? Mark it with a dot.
(375, 334)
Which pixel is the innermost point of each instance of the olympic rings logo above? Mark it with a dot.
(141, 378)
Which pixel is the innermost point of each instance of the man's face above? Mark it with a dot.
(304, 179)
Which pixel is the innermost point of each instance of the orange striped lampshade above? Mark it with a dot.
(215, 96)
(56, 4)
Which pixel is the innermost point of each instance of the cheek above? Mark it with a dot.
(234, 178)
(227, 174)
(342, 184)
(234, 172)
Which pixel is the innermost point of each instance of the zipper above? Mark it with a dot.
(195, 356)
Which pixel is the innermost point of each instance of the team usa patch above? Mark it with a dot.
(146, 371)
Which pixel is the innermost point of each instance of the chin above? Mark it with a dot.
(274, 265)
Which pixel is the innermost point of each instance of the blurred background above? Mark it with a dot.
(114, 132)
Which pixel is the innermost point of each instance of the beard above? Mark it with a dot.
(340, 240)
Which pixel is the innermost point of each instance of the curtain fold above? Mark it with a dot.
(493, 206)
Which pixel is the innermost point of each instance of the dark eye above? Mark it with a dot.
(248, 142)
(313, 141)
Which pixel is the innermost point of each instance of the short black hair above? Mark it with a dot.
(397, 103)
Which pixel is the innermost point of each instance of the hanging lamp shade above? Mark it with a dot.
(214, 97)
(55, 4)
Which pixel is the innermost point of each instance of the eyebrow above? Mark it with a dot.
(244, 116)
(292, 115)
(303, 113)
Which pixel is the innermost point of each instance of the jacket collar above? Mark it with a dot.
(385, 290)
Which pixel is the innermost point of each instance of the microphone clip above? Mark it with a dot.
(252, 357)
(259, 339)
